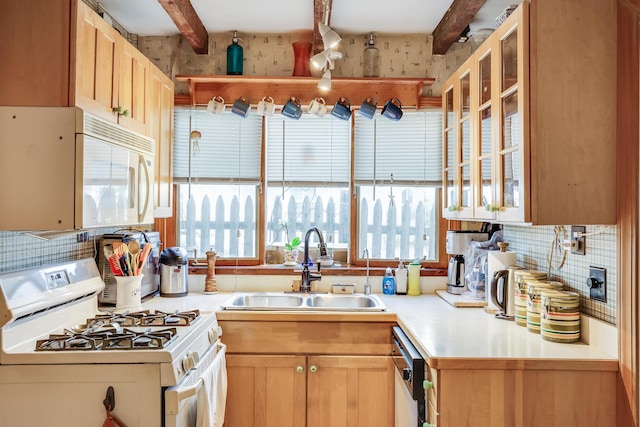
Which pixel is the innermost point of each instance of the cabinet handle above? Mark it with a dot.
(426, 384)
(453, 208)
(121, 111)
(313, 368)
(428, 425)
(299, 369)
(492, 208)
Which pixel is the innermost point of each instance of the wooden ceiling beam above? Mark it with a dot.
(318, 16)
(453, 23)
(188, 22)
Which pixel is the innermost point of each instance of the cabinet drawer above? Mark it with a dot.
(296, 337)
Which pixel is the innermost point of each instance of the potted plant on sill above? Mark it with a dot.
(291, 251)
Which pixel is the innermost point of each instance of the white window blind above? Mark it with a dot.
(410, 149)
(228, 150)
(310, 150)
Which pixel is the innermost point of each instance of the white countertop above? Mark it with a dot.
(442, 332)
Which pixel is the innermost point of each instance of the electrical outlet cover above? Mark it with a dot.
(597, 283)
(577, 232)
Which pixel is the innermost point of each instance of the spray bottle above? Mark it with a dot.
(235, 56)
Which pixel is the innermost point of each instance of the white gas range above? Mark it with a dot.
(61, 356)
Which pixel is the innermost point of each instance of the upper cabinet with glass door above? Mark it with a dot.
(484, 186)
(550, 117)
(457, 195)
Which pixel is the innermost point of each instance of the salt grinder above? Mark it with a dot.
(210, 281)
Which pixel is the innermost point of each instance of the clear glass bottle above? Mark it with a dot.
(371, 59)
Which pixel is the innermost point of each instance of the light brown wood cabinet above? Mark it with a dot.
(62, 53)
(525, 397)
(312, 374)
(99, 70)
(160, 109)
(530, 120)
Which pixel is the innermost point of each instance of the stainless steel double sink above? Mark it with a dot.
(283, 301)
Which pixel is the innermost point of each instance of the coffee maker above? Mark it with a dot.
(457, 244)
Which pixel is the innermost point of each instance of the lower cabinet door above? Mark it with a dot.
(266, 391)
(350, 391)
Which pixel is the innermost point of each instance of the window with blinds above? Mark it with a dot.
(398, 169)
(308, 172)
(217, 164)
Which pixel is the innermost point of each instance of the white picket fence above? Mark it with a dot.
(235, 235)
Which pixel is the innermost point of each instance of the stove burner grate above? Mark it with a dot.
(107, 339)
(148, 339)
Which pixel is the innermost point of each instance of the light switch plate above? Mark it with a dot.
(597, 283)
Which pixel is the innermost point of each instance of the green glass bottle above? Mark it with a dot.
(235, 57)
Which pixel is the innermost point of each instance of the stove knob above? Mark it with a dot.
(188, 363)
(213, 336)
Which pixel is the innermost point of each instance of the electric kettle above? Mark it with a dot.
(455, 275)
(501, 292)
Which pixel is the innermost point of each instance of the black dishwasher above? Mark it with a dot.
(410, 370)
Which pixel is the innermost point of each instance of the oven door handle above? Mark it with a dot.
(174, 395)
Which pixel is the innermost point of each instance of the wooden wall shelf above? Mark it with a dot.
(203, 88)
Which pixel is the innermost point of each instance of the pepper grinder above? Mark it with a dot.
(210, 281)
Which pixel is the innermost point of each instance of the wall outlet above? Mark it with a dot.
(578, 241)
(82, 237)
(597, 283)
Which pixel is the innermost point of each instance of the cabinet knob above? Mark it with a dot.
(426, 384)
(313, 368)
(299, 369)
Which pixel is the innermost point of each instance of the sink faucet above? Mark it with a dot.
(367, 286)
(307, 276)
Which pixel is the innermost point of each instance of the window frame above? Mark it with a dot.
(168, 227)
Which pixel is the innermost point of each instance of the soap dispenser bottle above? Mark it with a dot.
(371, 59)
(414, 278)
(235, 56)
(388, 283)
(401, 279)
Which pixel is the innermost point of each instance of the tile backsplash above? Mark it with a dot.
(533, 243)
(20, 251)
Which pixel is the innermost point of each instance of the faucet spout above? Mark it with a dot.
(307, 276)
(367, 286)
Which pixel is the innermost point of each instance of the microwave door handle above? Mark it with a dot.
(142, 212)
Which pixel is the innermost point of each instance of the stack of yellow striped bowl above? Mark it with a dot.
(560, 316)
(520, 292)
(534, 290)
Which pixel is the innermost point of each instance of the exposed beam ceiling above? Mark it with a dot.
(189, 24)
(318, 16)
(453, 23)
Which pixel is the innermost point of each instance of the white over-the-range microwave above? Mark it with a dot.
(62, 168)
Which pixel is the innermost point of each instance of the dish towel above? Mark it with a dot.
(212, 396)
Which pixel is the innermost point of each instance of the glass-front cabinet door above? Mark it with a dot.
(449, 184)
(457, 137)
(512, 160)
(485, 188)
